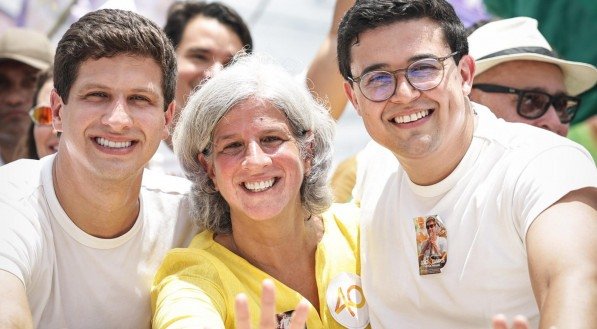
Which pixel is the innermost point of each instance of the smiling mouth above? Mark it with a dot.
(111, 144)
(259, 186)
(412, 117)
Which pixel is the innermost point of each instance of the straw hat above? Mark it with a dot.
(517, 39)
(26, 46)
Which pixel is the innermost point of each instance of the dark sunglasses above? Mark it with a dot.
(533, 104)
(41, 115)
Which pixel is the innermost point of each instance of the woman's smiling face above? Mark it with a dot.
(256, 163)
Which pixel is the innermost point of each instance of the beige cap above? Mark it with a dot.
(28, 47)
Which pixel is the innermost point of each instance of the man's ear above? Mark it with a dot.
(169, 117)
(351, 95)
(466, 67)
(208, 169)
(56, 104)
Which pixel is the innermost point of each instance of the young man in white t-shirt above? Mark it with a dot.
(82, 232)
(505, 193)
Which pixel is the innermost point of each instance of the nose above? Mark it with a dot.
(255, 158)
(214, 69)
(551, 121)
(19, 96)
(118, 116)
(404, 92)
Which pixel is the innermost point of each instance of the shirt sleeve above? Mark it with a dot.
(187, 293)
(547, 178)
(21, 242)
(182, 304)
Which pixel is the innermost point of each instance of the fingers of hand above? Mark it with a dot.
(241, 307)
(299, 317)
(268, 305)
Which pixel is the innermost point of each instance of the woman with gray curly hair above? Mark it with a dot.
(257, 148)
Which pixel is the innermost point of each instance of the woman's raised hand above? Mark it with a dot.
(268, 310)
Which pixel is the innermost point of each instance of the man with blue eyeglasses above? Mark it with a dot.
(517, 204)
(520, 78)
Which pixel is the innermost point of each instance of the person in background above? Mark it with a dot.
(23, 53)
(205, 36)
(42, 138)
(83, 230)
(505, 193)
(257, 148)
(520, 78)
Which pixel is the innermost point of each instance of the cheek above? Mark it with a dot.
(187, 70)
(42, 133)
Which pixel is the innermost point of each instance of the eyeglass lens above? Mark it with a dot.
(41, 115)
(533, 105)
(423, 75)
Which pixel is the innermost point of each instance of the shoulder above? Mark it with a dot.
(194, 261)
(20, 178)
(519, 138)
(342, 219)
(167, 184)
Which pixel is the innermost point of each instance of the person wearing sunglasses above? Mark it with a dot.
(521, 79)
(82, 231)
(42, 138)
(23, 54)
(506, 193)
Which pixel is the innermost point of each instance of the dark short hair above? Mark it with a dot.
(370, 14)
(181, 13)
(108, 33)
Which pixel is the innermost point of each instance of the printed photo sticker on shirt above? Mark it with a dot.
(346, 301)
(432, 244)
(283, 320)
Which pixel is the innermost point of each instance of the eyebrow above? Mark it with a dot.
(208, 51)
(384, 66)
(263, 132)
(93, 85)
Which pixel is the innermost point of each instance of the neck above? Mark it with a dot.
(285, 252)
(274, 245)
(99, 208)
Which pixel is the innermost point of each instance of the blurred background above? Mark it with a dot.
(292, 30)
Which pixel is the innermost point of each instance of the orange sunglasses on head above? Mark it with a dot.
(41, 115)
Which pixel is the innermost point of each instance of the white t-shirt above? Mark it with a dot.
(165, 161)
(509, 175)
(75, 280)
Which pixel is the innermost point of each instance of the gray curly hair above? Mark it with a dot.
(252, 76)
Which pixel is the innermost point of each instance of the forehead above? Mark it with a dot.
(11, 68)
(120, 72)
(398, 44)
(208, 32)
(526, 75)
(252, 112)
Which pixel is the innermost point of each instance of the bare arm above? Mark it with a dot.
(323, 77)
(562, 253)
(14, 308)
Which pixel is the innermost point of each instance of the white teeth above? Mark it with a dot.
(411, 117)
(259, 186)
(104, 142)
